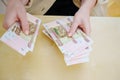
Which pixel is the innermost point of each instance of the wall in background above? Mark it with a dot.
(2, 8)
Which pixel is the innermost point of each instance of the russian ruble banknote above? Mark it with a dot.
(21, 42)
(76, 49)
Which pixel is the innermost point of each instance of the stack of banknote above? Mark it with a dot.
(21, 42)
(75, 49)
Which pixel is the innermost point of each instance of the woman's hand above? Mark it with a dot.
(82, 17)
(81, 20)
(16, 12)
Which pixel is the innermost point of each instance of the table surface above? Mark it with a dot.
(47, 63)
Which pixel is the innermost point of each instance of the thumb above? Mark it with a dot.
(24, 22)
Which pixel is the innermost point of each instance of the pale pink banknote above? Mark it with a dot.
(15, 38)
(76, 57)
(77, 61)
(68, 21)
(76, 49)
(47, 34)
(67, 45)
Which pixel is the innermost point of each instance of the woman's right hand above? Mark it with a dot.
(15, 11)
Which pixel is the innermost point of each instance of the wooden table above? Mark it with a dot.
(47, 63)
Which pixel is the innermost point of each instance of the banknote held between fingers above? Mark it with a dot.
(15, 12)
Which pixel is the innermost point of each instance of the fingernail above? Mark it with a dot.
(26, 32)
(69, 34)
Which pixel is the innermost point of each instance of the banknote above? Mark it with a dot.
(33, 30)
(77, 61)
(87, 49)
(64, 42)
(68, 22)
(76, 49)
(47, 34)
(74, 58)
(14, 41)
(15, 37)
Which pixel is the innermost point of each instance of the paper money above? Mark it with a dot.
(16, 39)
(76, 49)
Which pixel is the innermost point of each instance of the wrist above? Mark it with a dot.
(25, 2)
(88, 4)
(84, 9)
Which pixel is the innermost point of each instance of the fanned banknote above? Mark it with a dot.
(76, 49)
(16, 39)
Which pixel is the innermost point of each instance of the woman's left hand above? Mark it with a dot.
(82, 20)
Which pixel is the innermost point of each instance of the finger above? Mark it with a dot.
(24, 22)
(86, 28)
(8, 21)
(73, 29)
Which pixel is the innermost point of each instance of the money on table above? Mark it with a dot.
(16, 39)
(75, 49)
